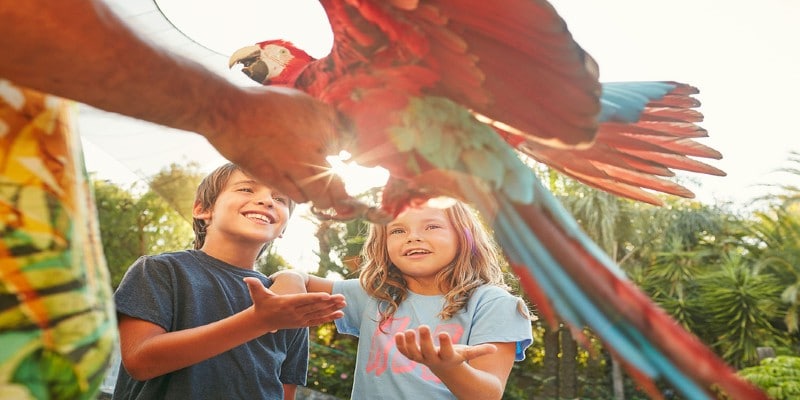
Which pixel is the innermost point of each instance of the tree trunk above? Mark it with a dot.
(619, 383)
(551, 349)
(568, 366)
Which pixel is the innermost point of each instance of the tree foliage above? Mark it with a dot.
(732, 280)
(135, 223)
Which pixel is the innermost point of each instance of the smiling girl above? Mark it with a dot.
(434, 317)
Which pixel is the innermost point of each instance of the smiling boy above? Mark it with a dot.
(188, 329)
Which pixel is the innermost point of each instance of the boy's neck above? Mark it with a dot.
(234, 255)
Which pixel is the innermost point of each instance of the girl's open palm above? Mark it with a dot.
(435, 357)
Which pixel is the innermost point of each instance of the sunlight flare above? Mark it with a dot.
(357, 179)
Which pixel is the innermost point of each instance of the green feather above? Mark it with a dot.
(449, 137)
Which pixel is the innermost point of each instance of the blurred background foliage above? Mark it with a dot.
(731, 277)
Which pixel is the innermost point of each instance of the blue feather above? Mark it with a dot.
(624, 101)
(576, 307)
(570, 301)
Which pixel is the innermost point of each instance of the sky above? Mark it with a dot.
(742, 56)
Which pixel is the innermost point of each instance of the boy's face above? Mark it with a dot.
(246, 212)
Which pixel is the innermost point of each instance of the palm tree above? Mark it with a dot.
(775, 242)
(777, 249)
(738, 306)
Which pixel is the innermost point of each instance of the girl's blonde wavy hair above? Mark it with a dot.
(477, 262)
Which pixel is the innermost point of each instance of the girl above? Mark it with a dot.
(434, 317)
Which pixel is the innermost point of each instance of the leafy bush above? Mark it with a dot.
(778, 376)
(332, 361)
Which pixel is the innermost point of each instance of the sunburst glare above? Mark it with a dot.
(357, 179)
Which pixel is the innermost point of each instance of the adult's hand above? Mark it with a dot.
(279, 136)
(282, 136)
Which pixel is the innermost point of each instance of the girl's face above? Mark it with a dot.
(245, 212)
(421, 242)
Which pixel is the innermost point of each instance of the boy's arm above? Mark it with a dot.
(149, 351)
(289, 391)
(293, 281)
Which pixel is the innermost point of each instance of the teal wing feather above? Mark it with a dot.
(647, 131)
(562, 269)
(625, 101)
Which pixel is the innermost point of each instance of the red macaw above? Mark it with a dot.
(441, 92)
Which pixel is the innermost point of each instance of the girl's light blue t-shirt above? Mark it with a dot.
(382, 372)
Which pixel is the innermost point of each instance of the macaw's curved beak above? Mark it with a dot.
(252, 66)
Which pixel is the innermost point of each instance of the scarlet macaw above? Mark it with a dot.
(441, 92)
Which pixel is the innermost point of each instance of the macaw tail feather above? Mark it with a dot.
(566, 274)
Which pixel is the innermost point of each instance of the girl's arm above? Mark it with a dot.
(149, 351)
(293, 281)
(469, 372)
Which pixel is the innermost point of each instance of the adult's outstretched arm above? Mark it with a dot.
(80, 49)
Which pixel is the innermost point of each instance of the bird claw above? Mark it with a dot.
(353, 209)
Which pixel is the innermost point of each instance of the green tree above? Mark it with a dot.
(119, 214)
(340, 243)
(176, 185)
(738, 306)
(133, 223)
(777, 251)
(776, 241)
(680, 241)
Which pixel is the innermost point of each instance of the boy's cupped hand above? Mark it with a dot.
(291, 311)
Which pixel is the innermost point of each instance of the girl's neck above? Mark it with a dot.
(425, 288)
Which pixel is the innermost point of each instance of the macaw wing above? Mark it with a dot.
(488, 56)
(563, 271)
(647, 130)
(485, 56)
(422, 86)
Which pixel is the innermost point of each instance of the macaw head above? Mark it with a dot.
(272, 62)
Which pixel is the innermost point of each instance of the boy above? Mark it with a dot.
(187, 326)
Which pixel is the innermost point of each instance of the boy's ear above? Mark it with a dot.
(199, 213)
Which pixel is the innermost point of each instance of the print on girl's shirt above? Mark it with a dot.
(383, 350)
